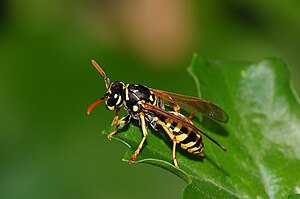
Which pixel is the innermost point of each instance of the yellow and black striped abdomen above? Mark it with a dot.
(185, 136)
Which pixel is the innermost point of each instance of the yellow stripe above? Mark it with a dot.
(191, 150)
(181, 137)
(154, 103)
(200, 153)
(126, 93)
(151, 98)
(135, 96)
(188, 145)
(177, 128)
(168, 122)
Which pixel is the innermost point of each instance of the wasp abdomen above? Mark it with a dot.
(193, 144)
(185, 136)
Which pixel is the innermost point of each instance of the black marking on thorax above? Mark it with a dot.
(137, 93)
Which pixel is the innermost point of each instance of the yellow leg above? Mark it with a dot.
(118, 123)
(173, 138)
(174, 154)
(145, 134)
(166, 129)
(175, 107)
(115, 120)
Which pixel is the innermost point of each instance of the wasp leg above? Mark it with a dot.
(192, 115)
(166, 129)
(124, 120)
(145, 134)
(174, 154)
(173, 138)
(115, 120)
(175, 107)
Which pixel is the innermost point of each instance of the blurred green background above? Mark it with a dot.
(49, 147)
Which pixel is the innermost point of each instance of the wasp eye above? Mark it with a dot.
(113, 100)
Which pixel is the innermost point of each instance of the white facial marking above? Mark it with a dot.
(135, 108)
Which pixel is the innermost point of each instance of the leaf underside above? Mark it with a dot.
(262, 135)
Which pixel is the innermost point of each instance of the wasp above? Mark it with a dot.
(147, 106)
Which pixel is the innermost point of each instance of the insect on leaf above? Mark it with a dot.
(262, 135)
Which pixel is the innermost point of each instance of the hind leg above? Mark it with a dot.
(173, 138)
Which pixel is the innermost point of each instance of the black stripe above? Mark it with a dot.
(173, 125)
(198, 144)
(184, 130)
(163, 118)
(191, 138)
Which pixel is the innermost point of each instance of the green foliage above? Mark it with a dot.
(262, 135)
(294, 196)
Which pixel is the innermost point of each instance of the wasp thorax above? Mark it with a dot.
(114, 95)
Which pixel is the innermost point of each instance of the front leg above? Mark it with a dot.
(145, 134)
(115, 120)
(124, 120)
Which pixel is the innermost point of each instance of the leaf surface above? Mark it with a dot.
(262, 135)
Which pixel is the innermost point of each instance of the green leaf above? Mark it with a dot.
(262, 135)
(294, 196)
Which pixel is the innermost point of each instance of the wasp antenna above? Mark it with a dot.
(92, 106)
(101, 71)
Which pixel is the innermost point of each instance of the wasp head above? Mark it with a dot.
(114, 96)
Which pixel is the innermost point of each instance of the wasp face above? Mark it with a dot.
(114, 95)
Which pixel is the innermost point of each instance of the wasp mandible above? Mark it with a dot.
(147, 106)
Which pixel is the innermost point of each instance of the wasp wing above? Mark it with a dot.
(184, 121)
(205, 107)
